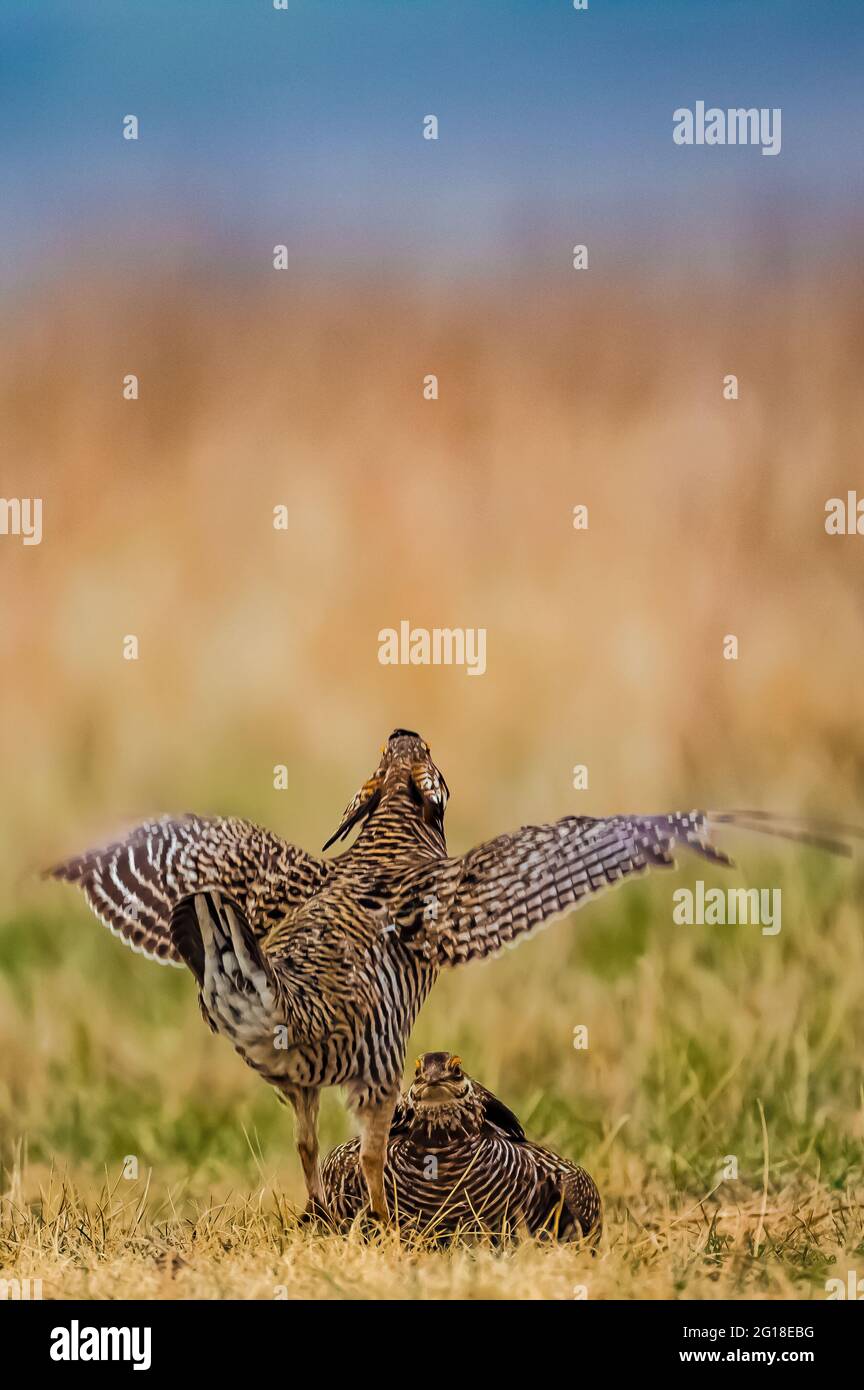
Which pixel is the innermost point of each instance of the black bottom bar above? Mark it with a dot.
(65, 1339)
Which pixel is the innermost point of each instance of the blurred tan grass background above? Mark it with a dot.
(260, 646)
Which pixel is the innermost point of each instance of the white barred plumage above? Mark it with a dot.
(458, 1163)
(315, 969)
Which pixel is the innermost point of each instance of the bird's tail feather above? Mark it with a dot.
(213, 936)
(805, 830)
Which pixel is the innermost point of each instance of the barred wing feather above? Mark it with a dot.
(133, 884)
(510, 886)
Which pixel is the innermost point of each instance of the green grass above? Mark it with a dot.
(694, 1034)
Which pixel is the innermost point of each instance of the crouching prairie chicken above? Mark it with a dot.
(315, 969)
(458, 1162)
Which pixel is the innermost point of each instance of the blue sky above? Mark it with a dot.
(304, 127)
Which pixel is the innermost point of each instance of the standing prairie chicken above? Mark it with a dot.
(315, 969)
(458, 1161)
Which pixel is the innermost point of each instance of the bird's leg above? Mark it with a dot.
(375, 1121)
(305, 1101)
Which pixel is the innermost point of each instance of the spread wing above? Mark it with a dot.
(472, 906)
(133, 885)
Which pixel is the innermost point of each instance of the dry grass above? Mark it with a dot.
(692, 1037)
(123, 1244)
(259, 648)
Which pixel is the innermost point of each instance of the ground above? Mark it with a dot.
(143, 1160)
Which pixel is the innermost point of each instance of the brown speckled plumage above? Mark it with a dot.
(458, 1161)
(315, 969)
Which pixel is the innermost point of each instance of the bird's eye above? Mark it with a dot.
(455, 1064)
(417, 1067)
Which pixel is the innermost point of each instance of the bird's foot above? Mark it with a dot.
(370, 1223)
(315, 1215)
